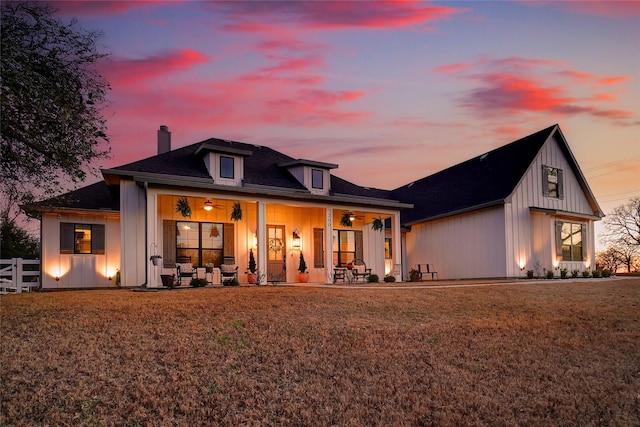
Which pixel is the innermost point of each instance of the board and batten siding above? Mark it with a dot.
(132, 218)
(464, 246)
(79, 270)
(530, 237)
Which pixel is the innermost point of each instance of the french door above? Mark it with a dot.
(276, 251)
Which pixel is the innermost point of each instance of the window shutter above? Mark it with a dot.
(359, 244)
(66, 237)
(97, 239)
(318, 248)
(559, 241)
(583, 241)
(560, 185)
(229, 240)
(545, 181)
(168, 243)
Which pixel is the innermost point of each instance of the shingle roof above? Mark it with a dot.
(482, 181)
(263, 166)
(96, 196)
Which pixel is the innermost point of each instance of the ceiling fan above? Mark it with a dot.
(208, 205)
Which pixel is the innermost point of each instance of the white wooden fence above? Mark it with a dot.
(14, 277)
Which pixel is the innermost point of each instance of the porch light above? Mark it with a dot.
(296, 240)
(208, 205)
(352, 216)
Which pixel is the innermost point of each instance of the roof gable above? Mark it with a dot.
(482, 181)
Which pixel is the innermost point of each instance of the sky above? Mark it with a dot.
(390, 91)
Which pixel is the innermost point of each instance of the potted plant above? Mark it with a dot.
(252, 276)
(303, 276)
(155, 259)
(414, 275)
(183, 207)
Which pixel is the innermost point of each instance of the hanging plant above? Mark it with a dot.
(377, 224)
(345, 220)
(183, 207)
(214, 232)
(236, 213)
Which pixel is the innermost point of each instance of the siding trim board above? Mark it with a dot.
(564, 214)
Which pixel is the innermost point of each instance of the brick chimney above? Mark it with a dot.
(164, 140)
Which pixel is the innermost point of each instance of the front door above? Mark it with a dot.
(276, 261)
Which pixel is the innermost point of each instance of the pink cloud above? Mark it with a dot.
(453, 68)
(517, 86)
(332, 15)
(126, 72)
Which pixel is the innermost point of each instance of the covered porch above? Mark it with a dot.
(276, 230)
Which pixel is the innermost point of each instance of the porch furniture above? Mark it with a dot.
(228, 273)
(360, 270)
(339, 273)
(184, 268)
(426, 269)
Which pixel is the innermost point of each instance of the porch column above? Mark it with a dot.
(153, 243)
(261, 237)
(397, 245)
(328, 244)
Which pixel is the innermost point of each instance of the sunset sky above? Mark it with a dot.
(390, 91)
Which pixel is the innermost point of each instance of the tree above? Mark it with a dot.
(16, 242)
(51, 98)
(623, 232)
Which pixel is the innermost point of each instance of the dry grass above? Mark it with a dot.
(555, 353)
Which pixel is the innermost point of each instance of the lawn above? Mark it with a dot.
(535, 353)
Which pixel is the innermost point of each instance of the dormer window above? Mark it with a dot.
(317, 179)
(226, 167)
(224, 161)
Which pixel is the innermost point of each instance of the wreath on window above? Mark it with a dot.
(275, 245)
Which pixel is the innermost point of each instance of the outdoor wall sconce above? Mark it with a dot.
(352, 216)
(296, 240)
(208, 205)
(57, 278)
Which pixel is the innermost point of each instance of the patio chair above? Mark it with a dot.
(359, 270)
(184, 268)
(425, 269)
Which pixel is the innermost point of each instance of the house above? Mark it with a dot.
(288, 206)
(522, 206)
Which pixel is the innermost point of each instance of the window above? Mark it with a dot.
(552, 182)
(387, 248)
(202, 241)
(81, 238)
(344, 247)
(316, 178)
(569, 238)
(226, 167)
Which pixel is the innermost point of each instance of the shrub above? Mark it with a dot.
(563, 273)
(414, 275)
(232, 282)
(389, 278)
(607, 273)
(549, 274)
(529, 274)
(198, 283)
(586, 273)
(597, 273)
(373, 278)
(574, 273)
